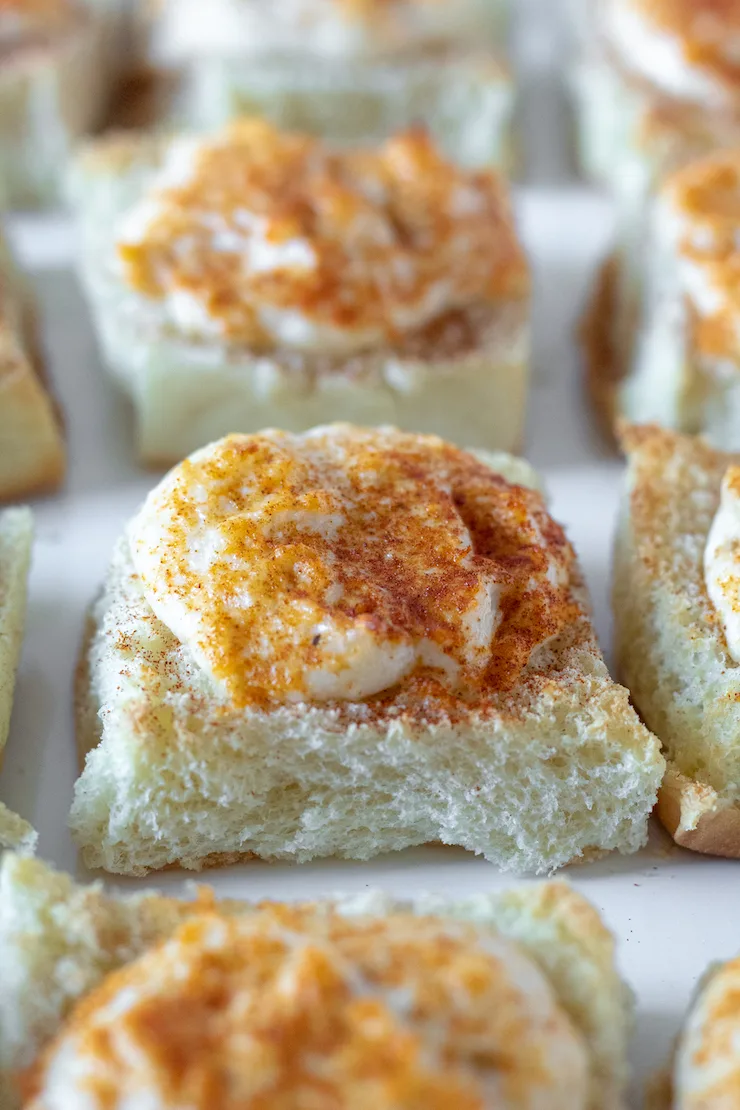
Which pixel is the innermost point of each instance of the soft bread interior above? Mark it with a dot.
(58, 940)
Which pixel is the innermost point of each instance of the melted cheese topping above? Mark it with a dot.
(722, 560)
(299, 1007)
(701, 222)
(687, 48)
(336, 564)
(269, 239)
(330, 28)
(707, 1067)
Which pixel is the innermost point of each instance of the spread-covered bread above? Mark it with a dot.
(256, 277)
(347, 642)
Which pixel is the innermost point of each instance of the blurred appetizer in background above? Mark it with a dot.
(149, 1001)
(704, 1073)
(57, 67)
(32, 453)
(677, 626)
(16, 533)
(658, 86)
(672, 355)
(348, 70)
(258, 278)
(344, 643)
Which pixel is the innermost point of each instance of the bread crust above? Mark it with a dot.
(32, 453)
(602, 373)
(697, 818)
(660, 596)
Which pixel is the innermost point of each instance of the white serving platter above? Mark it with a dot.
(671, 911)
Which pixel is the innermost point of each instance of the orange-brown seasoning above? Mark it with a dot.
(378, 231)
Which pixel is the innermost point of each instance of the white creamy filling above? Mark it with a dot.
(248, 236)
(722, 561)
(360, 658)
(707, 1065)
(657, 55)
(559, 1082)
(190, 28)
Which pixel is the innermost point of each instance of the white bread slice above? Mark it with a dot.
(464, 377)
(16, 530)
(534, 779)
(32, 456)
(670, 647)
(59, 940)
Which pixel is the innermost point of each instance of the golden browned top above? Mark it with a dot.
(266, 229)
(705, 196)
(705, 29)
(301, 1007)
(281, 557)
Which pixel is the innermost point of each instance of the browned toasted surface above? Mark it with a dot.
(601, 370)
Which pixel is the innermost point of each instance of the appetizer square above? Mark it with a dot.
(447, 1002)
(260, 278)
(705, 1070)
(54, 87)
(16, 528)
(32, 455)
(676, 605)
(348, 71)
(658, 87)
(680, 362)
(345, 643)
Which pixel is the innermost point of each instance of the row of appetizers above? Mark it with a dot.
(354, 640)
(495, 1000)
(255, 277)
(658, 97)
(345, 69)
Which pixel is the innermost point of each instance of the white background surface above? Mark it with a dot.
(672, 912)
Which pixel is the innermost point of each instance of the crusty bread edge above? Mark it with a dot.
(601, 372)
(697, 817)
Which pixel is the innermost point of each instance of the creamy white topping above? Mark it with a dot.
(329, 492)
(272, 240)
(335, 564)
(722, 561)
(330, 28)
(300, 1008)
(706, 1073)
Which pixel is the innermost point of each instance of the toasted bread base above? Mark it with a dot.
(697, 818)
